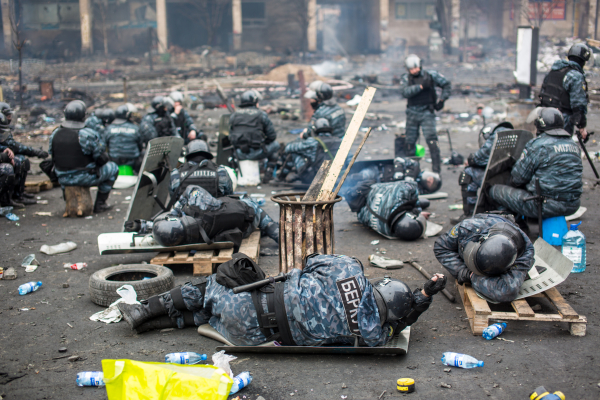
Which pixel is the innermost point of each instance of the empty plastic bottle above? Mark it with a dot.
(76, 266)
(90, 378)
(573, 247)
(187, 357)
(494, 330)
(240, 382)
(460, 360)
(29, 287)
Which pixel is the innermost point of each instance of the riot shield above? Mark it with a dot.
(508, 146)
(152, 187)
(131, 242)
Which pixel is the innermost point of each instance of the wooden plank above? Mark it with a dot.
(282, 254)
(203, 268)
(315, 187)
(319, 230)
(332, 230)
(251, 246)
(522, 308)
(181, 256)
(160, 258)
(346, 145)
(289, 238)
(223, 256)
(298, 231)
(341, 182)
(310, 235)
(561, 304)
(480, 306)
(204, 255)
(327, 227)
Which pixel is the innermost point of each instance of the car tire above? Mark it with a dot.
(103, 291)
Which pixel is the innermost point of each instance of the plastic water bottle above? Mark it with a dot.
(77, 266)
(573, 247)
(494, 330)
(185, 358)
(90, 378)
(240, 382)
(29, 287)
(460, 360)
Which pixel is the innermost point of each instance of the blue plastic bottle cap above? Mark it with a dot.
(480, 364)
(574, 227)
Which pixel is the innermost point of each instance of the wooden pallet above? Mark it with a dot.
(479, 312)
(36, 185)
(204, 262)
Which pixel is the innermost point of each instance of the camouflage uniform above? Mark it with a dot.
(185, 124)
(96, 124)
(555, 160)
(148, 129)
(124, 142)
(270, 145)
(314, 309)
(197, 196)
(22, 165)
(331, 111)
(384, 199)
(476, 170)
(7, 174)
(225, 182)
(422, 116)
(575, 84)
(448, 250)
(103, 177)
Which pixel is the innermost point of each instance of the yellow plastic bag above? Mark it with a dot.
(137, 380)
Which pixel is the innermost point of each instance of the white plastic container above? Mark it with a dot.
(250, 173)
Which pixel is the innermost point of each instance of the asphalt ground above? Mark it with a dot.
(534, 354)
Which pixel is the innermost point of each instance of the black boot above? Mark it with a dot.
(165, 322)
(7, 187)
(100, 205)
(467, 207)
(400, 146)
(410, 150)
(137, 314)
(436, 160)
(28, 195)
(23, 199)
(268, 173)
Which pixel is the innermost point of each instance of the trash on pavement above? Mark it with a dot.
(460, 360)
(31, 268)
(11, 217)
(90, 378)
(112, 313)
(59, 248)
(187, 358)
(29, 287)
(354, 101)
(494, 330)
(222, 361)
(10, 274)
(375, 242)
(77, 266)
(405, 385)
(43, 213)
(384, 262)
(29, 260)
(541, 393)
(129, 379)
(433, 229)
(240, 382)
(455, 207)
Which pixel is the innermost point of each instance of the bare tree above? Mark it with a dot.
(18, 43)
(102, 7)
(210, 14)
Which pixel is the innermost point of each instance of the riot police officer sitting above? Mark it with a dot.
(159, 122)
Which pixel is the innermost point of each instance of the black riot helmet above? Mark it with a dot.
(157, 103)
(169, 230)
(394, 299)
(4, 127)
(579, 53)
(249, 98)
(496, 252)
(75, 115)
(322, 126)
(548, 119)
(198, 147)
(6, 110)
(489, 129)
(124, 113)
(408, 226)
(429, 182)
(320, 91)
(106, 115)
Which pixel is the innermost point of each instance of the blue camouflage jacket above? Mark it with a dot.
(574, 83)
(96, 124)
(17, 147)
(332, 112)
(481, 157)
(313, 303)
(124, 140)
(409, 91)
(148, 130)
(448, 251)
(225, 183)
(187, 123)
(91, 144)
(556, 161)
(384, 199)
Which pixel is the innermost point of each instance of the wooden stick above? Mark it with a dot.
(313, 191)
(360, 146)
(346, 145)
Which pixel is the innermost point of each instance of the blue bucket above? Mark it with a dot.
(554, 229)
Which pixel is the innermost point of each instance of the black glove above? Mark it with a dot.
(41, 153)
(4, 158)
(430, 288)
(471, 160)
(579, 119)
(439, 105)
(464, 276)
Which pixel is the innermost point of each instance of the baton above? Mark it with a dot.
(587, 155)
(258, 284)
(427, 275)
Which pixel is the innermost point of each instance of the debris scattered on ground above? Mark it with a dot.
(445, 385)
(10, 274)
(112, 313)
(384, 262)
(59, 248)
(447, 369)
(374, 242)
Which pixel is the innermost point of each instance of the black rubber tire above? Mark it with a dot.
(104, 292)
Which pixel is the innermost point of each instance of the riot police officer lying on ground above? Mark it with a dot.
(489, 252)
(329, 301)
(553, 159)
